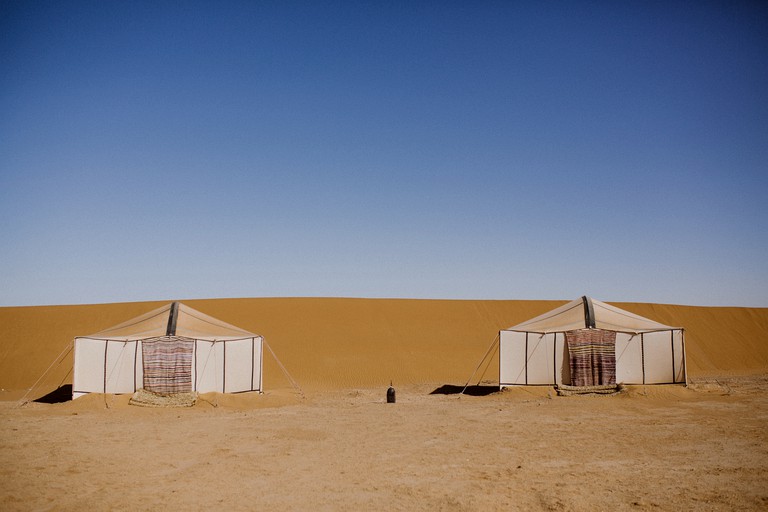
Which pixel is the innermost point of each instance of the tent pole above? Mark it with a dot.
(194, 365)
(685, 358)
(672, 346)
(261, 364)
(501, 358)
(106, 360)
(527, 357)
(135, 363)
(252, 354)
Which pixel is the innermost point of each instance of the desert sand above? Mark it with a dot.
(335, 444)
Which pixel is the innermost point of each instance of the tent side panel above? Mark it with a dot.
(238, 365)
(139, 363)
(629, 359)
(532, 359)
(121, 377)
(512, 358)
(679, 355)
(541, 359)
(208, 367)
(88, 371)
(657, 349)
(562, 361)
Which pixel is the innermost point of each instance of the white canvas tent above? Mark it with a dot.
(541, 351)
(170, 349)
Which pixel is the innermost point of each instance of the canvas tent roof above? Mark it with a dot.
(587, 312)
(174, 319)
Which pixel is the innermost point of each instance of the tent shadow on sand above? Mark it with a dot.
(57, 396)
(450, 389)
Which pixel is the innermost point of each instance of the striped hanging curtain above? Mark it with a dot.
(167, 365)
(592, 357)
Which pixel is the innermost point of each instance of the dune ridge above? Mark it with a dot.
(338, 343)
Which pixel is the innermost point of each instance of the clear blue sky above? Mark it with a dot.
(493, 150)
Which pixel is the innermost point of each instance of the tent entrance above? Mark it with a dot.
(592, 356)
(167, 362)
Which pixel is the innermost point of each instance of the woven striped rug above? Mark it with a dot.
(167, 364)
(592, 356)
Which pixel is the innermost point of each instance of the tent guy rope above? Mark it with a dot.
(60, 358)
(287, 375)
(487, 352)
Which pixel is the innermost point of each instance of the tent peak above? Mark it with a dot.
(173, 319)
(588, 313)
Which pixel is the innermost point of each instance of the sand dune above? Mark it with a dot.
(357, 343)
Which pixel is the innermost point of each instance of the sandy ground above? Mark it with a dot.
(650, 448)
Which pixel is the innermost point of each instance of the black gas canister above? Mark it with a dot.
(390, 394)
